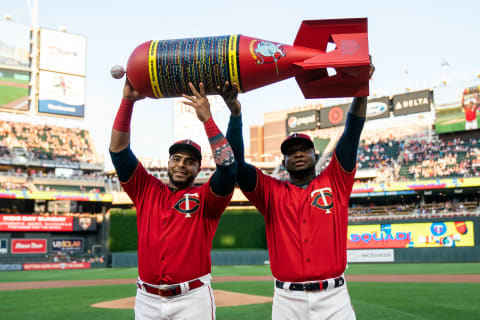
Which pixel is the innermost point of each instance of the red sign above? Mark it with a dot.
(29, 245)
(35, 223)
(56, 266)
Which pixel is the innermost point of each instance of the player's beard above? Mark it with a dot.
(302, 173)
(298, 174)
(181, 184)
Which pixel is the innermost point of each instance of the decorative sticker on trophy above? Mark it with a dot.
(267, 52)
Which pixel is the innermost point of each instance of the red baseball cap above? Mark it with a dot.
(186, 144)
(296, 138)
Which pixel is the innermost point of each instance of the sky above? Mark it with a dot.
(408, 41)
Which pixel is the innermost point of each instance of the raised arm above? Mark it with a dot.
(347, 146)
(123, 159)
(247, 175)
(223, 180)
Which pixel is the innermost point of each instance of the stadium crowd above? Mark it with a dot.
(455, 158)
(46, 142)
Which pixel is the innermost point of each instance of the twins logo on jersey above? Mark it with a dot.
(188, 204)
(322, 199)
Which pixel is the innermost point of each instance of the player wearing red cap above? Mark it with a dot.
(176, 221)
(306, 218)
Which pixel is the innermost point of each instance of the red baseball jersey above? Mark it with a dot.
(470, 113)
(306, 228)
(175, 229)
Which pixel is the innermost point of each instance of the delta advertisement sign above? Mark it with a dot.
(411, 235)
(35, 223)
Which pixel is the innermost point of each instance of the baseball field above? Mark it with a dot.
(378, 291)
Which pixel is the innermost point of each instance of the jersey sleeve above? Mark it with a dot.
(214, 205)
(141, 185)
(342, 179)
(262, 194)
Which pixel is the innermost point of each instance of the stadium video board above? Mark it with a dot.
(14, 90)
(62, 52)
(411, 235)
(461, 117)
(33, 223)
(62, 73)
(61, 94)
(14, 46)
(14, 66)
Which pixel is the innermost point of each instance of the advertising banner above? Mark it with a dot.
(61, 94)
(333, 116)
(378, 255)
(403, 187)
(14, 89)
(35, 223)
(301, 121)
(26, 246)
(62, 52)
(413, 102)
(14, 45)
(55, 195)
(378, 108)
(59, 245)
(411, 235)
(11, 267)
(56, 266)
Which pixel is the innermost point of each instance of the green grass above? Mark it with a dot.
(435, 301)
(88, 274)
(415, 300)
(424, 301)
(261, 270)
(414, 268)
(64, 303)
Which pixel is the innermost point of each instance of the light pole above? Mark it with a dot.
(34, 54)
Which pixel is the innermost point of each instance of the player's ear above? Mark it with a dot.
(283, 162)
(316, 157)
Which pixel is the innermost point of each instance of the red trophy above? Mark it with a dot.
(329, 58)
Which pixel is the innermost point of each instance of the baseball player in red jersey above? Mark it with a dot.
(470, 110)
(176, 222)
(306, 218)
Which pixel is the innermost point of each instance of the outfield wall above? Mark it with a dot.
(240, 240)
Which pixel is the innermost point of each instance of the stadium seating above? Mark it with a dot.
(437, 158)
(45, 142)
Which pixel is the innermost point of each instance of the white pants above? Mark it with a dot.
(195, 304)
(332, 304)
(471, 125)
